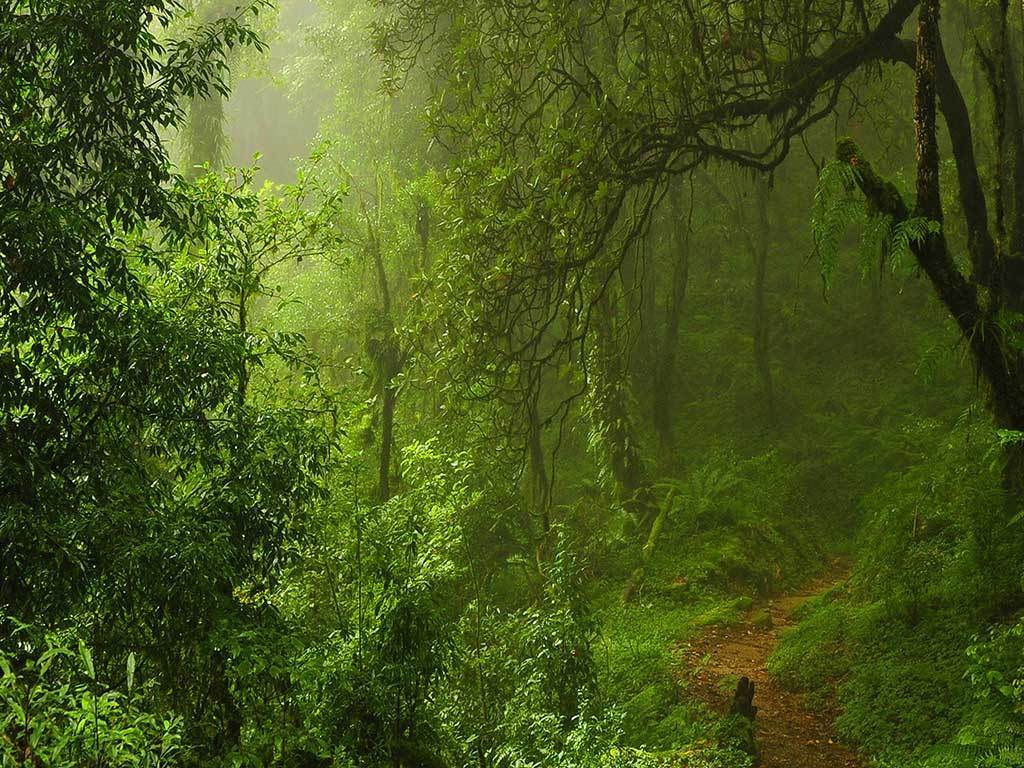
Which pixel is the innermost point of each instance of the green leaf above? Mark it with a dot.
(86, 656)
(131, 670)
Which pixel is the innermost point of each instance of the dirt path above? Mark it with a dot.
(788, 735)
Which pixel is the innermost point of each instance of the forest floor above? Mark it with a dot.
(789, 735)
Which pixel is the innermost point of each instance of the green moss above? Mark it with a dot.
(847, 150)
(882, 195)
(684, 724)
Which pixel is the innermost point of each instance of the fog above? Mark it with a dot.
(564, 384)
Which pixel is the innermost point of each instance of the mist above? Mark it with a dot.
(492, 385)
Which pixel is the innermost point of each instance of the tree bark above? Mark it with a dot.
(980, 245)
(537, 476)
(612, 413)
(388, 359)
(387, 436)
(637, 577)
(1016, 130)
(998, 360)
(204, 139)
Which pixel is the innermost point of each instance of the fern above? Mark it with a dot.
(905, 234)
(835, 210)
(976, 756)
(838, 205)
(873, 248)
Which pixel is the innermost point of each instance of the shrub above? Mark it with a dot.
(898, 705)
(53, 713)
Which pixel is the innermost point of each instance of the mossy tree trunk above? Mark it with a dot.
(385, 351)
(612, 402)
(538, 481)
(205, 142)
(975, 300)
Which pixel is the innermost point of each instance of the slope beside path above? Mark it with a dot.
(788, 734)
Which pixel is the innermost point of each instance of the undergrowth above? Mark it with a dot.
(922, 651)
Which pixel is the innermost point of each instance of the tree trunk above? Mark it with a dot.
(612, 405)
(1015, 129)
(997, 359)
(757, 246)
(205, 143)
(1017, 138)
(537, 476)
(388, 359)
(637, 577)
(387, 432)
(665, 371)
(229, 734)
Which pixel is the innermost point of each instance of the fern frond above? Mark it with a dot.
(908, 232)
(834, 211)
(838, 205)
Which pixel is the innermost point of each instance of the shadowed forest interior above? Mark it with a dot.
(536, 384)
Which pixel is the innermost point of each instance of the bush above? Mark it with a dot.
(53, 713)
(900, 688)
(653, 704)
(899, 706)
(995, 729)
(740, 524)
(938, 533)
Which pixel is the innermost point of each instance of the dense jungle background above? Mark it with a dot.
(503, 384)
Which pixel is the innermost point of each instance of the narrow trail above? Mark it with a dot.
(788, 735)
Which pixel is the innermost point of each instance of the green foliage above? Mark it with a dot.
(994, 729)
(551, 707)
(55, 712)
(893, 706)
(839, 206)
(813, 656)
(705, 755)
(369, 684)
(836, 208)
(937, 532)
(161, 445)
(892, 647)
(735, 507)
(900, 689)
(87, 362)
(991, 731)
(203, 385)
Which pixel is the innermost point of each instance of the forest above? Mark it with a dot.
(531, 384)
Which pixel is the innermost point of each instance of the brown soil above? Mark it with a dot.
(788, 735)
